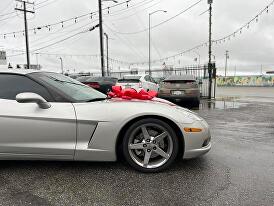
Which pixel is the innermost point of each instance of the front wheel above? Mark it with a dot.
(150, 145)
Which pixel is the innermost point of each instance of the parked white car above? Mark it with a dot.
(138, 82)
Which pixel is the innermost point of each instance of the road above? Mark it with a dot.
(238, 171)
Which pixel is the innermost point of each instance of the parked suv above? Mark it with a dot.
(180, 88)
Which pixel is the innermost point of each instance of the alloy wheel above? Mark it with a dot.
(150, 145)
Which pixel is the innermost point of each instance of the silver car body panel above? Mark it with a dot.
(35, 133)
(113, 115)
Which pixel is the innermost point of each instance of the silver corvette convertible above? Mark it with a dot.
(48, 116)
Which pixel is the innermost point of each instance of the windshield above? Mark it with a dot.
(70, 87)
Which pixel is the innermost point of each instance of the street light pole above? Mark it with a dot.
(149, 39)
(62, 66)
(107, 53)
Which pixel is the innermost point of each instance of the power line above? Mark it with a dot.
(6, 8)
(61, 34)
(152, 42)
(136, 12)
(36, 32)
(112, 60)
(75, 19)
(62, 40)
(129, 45)
(163, 22)
(220, 40)
(246, 25)
(172, 56)
(45, 1)
(14, 12)
(42, 6)
(132, 7)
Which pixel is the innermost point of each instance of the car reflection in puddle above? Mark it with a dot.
(222, 104)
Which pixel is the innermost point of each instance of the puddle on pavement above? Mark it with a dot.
(221, 104)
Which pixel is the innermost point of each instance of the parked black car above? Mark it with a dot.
(102, 84)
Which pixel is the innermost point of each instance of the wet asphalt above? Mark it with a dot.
(238, 171)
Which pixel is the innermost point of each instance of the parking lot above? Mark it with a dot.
(238, 171)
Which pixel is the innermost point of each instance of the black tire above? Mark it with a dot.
(196, 103)
(172, 136)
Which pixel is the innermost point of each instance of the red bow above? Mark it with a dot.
(129, 94)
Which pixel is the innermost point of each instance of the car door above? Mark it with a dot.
(29, 132)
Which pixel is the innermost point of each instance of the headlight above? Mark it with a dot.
(192, 115)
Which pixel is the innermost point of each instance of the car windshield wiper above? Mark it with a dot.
(97, 99)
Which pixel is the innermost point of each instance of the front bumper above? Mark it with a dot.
(197, 152)
(196, 143)
(181, 98)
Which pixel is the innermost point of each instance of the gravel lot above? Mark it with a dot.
(238, 171)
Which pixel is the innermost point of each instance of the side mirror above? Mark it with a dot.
(33, 98)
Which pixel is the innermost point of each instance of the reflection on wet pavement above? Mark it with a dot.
(218, 104)
(229, 103)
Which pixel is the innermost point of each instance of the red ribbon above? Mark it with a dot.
(130, 93)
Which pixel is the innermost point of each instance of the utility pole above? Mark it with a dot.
(101, 38)
(25, 10)
(210, 50)
(226, 58)
(102, 35)
(107, 54)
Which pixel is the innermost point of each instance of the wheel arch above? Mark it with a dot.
(171, 123)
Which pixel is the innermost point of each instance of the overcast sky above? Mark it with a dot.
(254, 47)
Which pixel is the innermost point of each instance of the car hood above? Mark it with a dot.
(120, 110)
